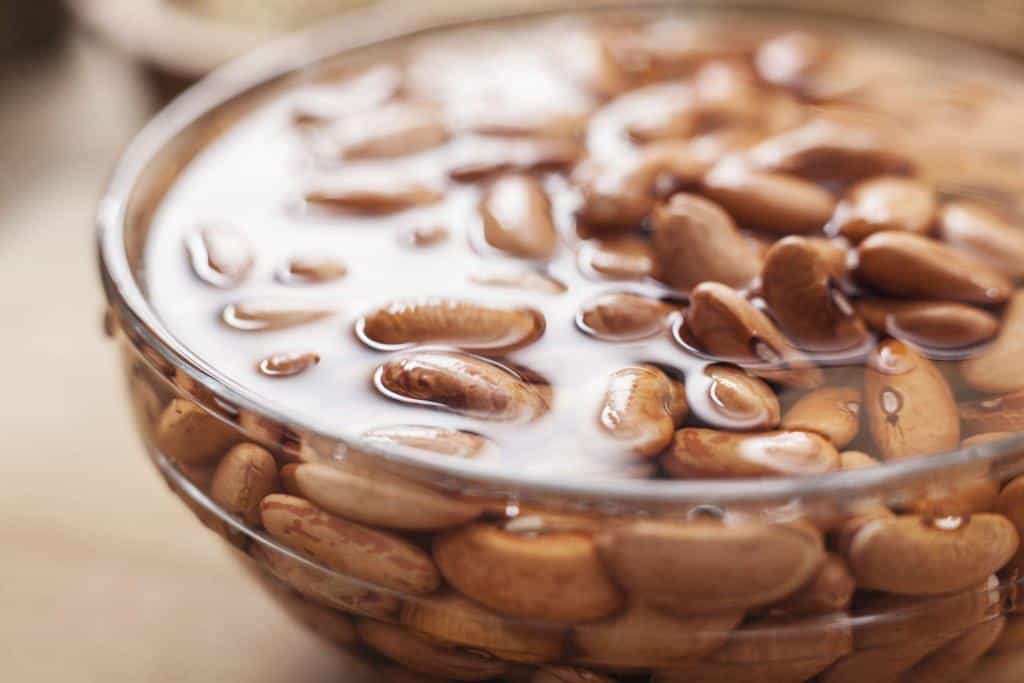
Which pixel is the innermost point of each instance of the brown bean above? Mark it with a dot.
(999, 414)
(637, 410)
(856, 460)
(552, 577)
(830, 590)
(478, 328)
(709, 453)
(438, 440)
(454, 620)
(885, 203)
(997, 369)
(394, 130)
(910, 406)
(934, 324)
(1010, 503)
(909, 265)
(832, 412)
(832, 253)
(371, 192)
(914, 555)
(828, 151)
(246, 475)
(463, 384)
(480, 160)
(974, 229)
(705, 567)
(1012, 637)
(191, 435)
(618, 197)
(620, 316)
(738, 400)
(641, 637)
(805, 300)
(566, 674)
(772, 202)
(516, 215)
(423, 236)
(311, 270)
(696, 241)
(370, 495)
(973, 491)
(326, 587)
(621, 258)
(956, 660)
(425, 657)
(220, 255)
(776, 650)
(353, 549)
(729, 327)
(331, 624)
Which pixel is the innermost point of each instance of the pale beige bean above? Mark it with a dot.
(806, 302)
(463, 384)
(885, 203)
(478, 328)
(326, 587)
(971, 492)
(437, 440)
(984, 234)
(830, 590)
(913, 266)
(856, 460)
(997, 369)
(620, 316)
(287, 363)
(712, 454)
(311, 270)
(189, 434)
(264, 315)
(824, 150)
(482, 159)
(914, 555)
(374, 556)
(1010, 503)
(772, 202)
(516, 215)
(832, 412)
(394, 130)
(621, 258)
(371, 192)
(706, 567)
(934, 324)
(729, 327)
(553, 576)
(220, 255)
(246, 475)
(999, 414)
(740, 401)
(883, 664)
(373, 496)
(637, 410)
(954, 661)
(426, 657)
(695, 240)
(910, 406)
(769, 652)
(455, 621)
(641, 637)
(518, 278)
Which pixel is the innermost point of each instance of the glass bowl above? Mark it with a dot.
(438, 569)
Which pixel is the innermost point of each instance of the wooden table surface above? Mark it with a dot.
(104, 575)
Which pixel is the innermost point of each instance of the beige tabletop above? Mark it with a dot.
(104, 575)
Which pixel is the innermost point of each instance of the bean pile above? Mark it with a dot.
(645, 248)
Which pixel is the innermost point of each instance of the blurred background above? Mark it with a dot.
(101, 578)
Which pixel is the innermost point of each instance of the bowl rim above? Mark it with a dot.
(363, 28)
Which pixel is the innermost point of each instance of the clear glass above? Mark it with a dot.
(715, 580)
